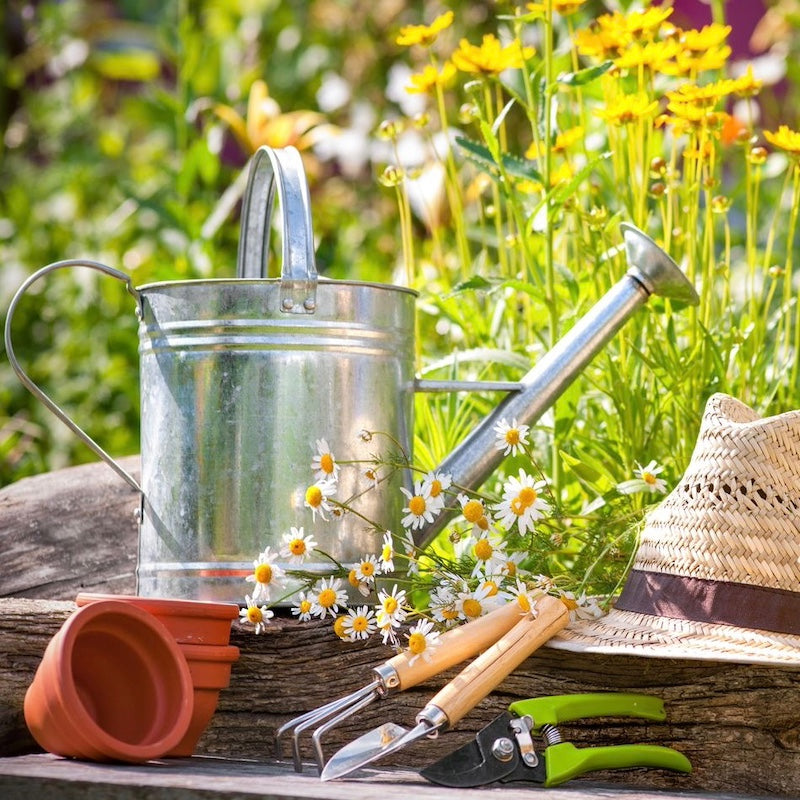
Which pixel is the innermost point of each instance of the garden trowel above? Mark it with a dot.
(459, 696)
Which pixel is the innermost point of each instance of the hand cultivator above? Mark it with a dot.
(398, 674)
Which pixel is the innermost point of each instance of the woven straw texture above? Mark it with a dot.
(733, 517)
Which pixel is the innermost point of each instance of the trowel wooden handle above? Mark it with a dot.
(484, 674)
(456, 645)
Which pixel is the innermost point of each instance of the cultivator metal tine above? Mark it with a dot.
(341, 708)
(316, 737)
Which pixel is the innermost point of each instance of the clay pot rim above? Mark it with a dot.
(68, 695)
(209, 652)
(165, 606)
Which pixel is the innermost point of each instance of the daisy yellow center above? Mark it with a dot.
(649, 478)
(417, 643)
(483, 524)
(517, 506)
(511, 568)
(472, 511)
(367, 569)
(483, 550)
(338, 627)
(472, 608)
(352, 578)
(305, 606)
(527, 496)
(512, 436)
(416, 505)
(390, 605)
(386, 553)
(263, 573)
(569, 602)
(314, 496)
(449, 613)
(327, 597)
(371, 475)
(436, 488)
(491, 586)
(359, 623)
(297, 547)
(254, 615)
(523, 602)
(326, 463)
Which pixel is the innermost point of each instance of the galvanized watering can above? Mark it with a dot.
(239, 378)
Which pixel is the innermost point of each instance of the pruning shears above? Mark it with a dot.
(504, 750)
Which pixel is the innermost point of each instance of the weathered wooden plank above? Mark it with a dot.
(739, 725)
(70, 530)
(49, 778)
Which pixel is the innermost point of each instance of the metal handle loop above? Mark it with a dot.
(33, 388)
(281, 170)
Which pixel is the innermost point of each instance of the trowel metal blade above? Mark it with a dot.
(370, 747)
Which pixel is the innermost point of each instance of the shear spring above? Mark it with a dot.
(551, 734)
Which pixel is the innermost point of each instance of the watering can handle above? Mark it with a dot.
(33, 388)
(281, 170)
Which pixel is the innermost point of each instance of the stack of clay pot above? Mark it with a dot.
(131, 678)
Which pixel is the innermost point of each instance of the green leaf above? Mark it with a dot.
(585, 76)
(515, 166)
(475, 282)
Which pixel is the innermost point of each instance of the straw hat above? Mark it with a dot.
(717, 572)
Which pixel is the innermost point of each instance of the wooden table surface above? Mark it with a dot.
(47, 777)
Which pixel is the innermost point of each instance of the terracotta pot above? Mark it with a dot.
(189, 621)
(113, 685)
(210, 668)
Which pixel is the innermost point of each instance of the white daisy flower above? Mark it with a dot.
(443, 605)
(297, 546)
(387, 553)
(359, 623)
(490, 554)
(391, 610)
(511, 566)
(255, 615)
(581, 607)
(522, 502)
(266, 576)
(422, 641)
(367, 568)
(418, 510)
(327, 596)
(646, 480)
(302, 607)
(389, 636)
(474, 511)
(437, 484)
(511, 439)
(324, 464)
(526, 598)
(316, 498)
(473, 604)
(372, 476)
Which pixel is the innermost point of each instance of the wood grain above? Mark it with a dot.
(75, 530)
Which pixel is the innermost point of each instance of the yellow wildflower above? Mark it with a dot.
(701, 96)
(652, 55)
(430, 77)
(785, 139)
(645, 24)
(689, 62)
(424, 35)
(566, 8)
(265, 124)
(490, 58)
(708, 37)
(564, 140)
(747, 85)
(628, 108)
(600, 44)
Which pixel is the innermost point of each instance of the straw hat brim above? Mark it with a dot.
(630, 633)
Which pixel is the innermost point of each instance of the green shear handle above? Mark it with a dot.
(565, 761)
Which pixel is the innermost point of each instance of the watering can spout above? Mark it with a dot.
(651, 271)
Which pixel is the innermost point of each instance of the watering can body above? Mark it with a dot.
(241, 378)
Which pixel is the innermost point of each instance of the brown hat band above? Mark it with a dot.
(700, 600)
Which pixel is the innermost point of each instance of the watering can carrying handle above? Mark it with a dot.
(33, 388)
(279, 170)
